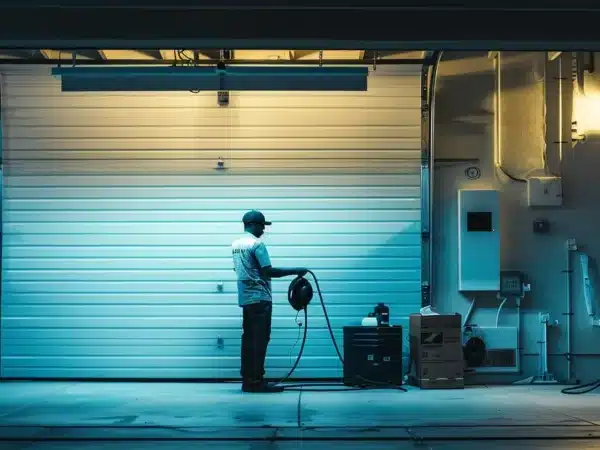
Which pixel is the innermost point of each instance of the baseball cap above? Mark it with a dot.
(255, 217)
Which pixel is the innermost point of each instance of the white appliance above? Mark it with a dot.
(478, 240)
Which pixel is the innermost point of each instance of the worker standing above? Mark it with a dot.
(252, 266)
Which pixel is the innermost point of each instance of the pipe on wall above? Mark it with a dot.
(570, 247)
(1, 204)
(437, 57)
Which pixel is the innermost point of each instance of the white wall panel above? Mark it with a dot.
(117, 225)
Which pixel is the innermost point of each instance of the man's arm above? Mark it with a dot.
(276, 272)
(268, 271)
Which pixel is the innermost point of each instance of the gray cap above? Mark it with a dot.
(255, 217)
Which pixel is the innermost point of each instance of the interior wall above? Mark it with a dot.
(465, 129)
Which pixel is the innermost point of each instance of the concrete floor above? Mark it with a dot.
(160, 416)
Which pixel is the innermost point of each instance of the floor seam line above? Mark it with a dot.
(299, 410)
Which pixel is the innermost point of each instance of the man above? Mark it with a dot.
(252, 266)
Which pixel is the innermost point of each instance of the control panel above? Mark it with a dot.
(511, 283)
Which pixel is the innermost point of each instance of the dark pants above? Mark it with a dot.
(255, 339)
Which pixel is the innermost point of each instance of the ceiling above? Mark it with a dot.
(188, 56)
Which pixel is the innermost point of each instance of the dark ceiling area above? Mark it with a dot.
(313, 4)
(301, 24)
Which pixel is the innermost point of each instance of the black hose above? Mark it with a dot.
(301, 349)
(367, 384)
(582, 388)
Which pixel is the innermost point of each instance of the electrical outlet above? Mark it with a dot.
(572, 244)
(544, 318)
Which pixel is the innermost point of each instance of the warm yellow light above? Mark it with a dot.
(587, 113)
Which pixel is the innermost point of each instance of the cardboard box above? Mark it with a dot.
(436, 351)
(441, 375)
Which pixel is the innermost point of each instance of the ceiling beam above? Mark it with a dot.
(262, 54)
(329, 54)
(553, 55)
(53, 54)
(416, 54)
(68, 55)
(18, 54)
(176, 54)
(129, 54)
(302, 54)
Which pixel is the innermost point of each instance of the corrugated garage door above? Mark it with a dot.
(117, 224)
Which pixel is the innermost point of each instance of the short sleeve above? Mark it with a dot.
(262, 255)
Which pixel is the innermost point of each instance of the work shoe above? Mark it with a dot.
(261, 387)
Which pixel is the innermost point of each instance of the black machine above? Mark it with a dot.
(373, 354)
(382, 313)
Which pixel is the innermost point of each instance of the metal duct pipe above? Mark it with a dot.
(437, 57)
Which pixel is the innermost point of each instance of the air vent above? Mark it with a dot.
(500, 358)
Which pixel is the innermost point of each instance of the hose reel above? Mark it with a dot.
(300, 293)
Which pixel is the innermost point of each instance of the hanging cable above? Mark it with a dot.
(186, 61)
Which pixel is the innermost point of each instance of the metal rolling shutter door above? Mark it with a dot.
(117, 226)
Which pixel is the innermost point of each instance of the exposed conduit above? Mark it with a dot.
(437, 57)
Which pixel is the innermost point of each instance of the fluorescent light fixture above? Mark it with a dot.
(185, 78)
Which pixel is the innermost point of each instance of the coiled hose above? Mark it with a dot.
(299, 287)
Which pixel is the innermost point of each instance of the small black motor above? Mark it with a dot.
(382, 313)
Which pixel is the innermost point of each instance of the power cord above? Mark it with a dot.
(366, 384)
(186, 61)
(582, 388)
(299, 323)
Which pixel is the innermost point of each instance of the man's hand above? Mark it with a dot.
(301, 272)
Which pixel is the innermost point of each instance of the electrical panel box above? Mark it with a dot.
(512, 283)
(478, 240)
(544, 191)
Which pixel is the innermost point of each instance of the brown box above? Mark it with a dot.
(436, 321)
(436, 351)
(441, 375)
(435, 338)
(450, 350)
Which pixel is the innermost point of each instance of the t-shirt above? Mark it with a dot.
(249, 255)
